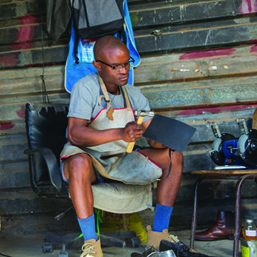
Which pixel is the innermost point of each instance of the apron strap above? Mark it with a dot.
(126, 98)
(106, 95)
(107, 98)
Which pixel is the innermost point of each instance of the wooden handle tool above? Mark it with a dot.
(141, 114)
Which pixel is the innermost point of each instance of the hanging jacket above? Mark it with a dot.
(58, 14)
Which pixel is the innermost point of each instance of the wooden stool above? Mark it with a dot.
(236, 174)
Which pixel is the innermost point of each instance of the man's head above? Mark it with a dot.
(112, 61)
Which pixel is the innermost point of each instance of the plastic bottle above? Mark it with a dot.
(250, 232)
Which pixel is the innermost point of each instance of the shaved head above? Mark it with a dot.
(106, 45)
(109, 52)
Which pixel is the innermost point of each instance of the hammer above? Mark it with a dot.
(141, 114)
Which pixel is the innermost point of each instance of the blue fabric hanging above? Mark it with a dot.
(76, 71)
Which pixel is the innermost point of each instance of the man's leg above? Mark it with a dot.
(79, 172)
(168, 186)
(167, 190)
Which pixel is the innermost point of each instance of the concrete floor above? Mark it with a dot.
(30, 247)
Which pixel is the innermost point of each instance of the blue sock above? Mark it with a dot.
(162, 217)
(87, 227)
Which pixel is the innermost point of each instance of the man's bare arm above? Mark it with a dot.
(81, 135)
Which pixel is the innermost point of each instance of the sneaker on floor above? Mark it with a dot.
(92, 248)
(180, 249)
(154, 238)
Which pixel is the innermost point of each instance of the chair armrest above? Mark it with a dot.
(52, 165)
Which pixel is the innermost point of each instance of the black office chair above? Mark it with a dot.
(46, 133)
(46, 129)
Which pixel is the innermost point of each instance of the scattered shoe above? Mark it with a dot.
(221, 229)
(92, 248)
(146, 253)
(154, 238)
(180, 249)
(153, 253)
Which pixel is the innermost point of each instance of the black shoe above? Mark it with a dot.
(180, 249)
(152, 252)
(145, 253)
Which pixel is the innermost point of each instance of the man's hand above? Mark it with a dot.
(132, 132)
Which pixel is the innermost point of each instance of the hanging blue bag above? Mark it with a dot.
(80, 56)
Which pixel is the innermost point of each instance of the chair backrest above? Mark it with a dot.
(46, 129)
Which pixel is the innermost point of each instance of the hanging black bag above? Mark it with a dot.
(97, 18)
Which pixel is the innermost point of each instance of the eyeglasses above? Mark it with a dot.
(119, 67)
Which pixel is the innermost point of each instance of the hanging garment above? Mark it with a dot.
(75, 71)
(58, 14)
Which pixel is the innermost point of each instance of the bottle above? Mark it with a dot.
(250, 232)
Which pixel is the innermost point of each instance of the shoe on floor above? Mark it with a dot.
(153, 253)
(180, 249)
(221, 229)
(154, 238)
(146, 253)
(92, 248)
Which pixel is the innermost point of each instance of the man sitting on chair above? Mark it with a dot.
(101, 124)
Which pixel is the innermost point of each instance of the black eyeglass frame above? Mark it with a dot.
(114, 67)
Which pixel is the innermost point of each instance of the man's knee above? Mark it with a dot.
(177, 157)
(177, 161)
(79, 165)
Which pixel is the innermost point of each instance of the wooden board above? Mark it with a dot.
(178, 12)
(225, 172)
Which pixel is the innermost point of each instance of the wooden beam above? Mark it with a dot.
(172, 13)
(10, 9)
(187, 38)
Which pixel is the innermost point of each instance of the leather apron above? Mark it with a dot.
(110, 160)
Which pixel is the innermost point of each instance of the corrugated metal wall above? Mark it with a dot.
(198, 65)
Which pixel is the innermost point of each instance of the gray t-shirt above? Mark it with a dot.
(85, 94)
